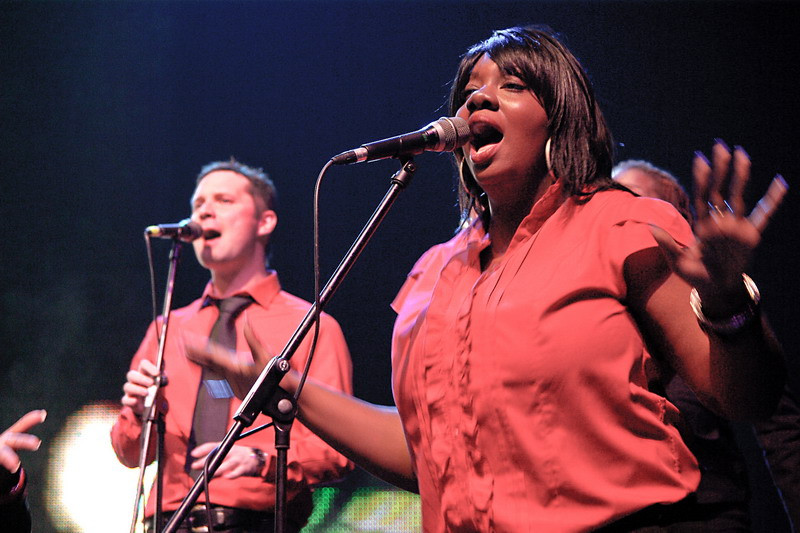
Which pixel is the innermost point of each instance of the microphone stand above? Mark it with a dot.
(266, 395)
(154, 413)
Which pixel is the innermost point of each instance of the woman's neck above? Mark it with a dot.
(508, 213)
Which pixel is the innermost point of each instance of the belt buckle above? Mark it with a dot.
(199, 508)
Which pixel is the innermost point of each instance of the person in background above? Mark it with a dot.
(14, 514)
(234, 204)
(779, 437)
(645, 179)
(520, 346)
(724, 484)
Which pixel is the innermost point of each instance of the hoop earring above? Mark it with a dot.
(547, 154)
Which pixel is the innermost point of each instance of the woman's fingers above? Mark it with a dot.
(739, 178)
(720, 184)
(261, 355)
(28, 420)
(701, 170)
(213, 356)
(720, 173)
(667, 244)
(16, 438)
(769, 203)
(20, 441)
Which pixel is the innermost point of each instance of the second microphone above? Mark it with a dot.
(443, 135)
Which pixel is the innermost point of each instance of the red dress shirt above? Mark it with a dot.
(523, 389)
(274, 316)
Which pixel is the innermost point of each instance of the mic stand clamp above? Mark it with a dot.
(282, 407)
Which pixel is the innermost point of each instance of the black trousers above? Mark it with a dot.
(685, 516)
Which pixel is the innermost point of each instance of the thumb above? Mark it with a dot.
(261, 355)
(767, 206)
(213, 356)
(667, 244)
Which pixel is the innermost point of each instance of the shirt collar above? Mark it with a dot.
(262, 291)
(544, 207)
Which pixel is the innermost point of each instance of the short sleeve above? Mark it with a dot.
(416, 279)
(630, 230)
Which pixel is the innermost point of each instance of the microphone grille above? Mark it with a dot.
(191, 230)
(194, 229)
(454, 133)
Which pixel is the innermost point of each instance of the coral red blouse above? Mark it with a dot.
(522, 389)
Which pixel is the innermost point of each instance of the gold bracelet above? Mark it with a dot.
(732, 324)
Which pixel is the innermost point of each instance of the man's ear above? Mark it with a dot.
(267, 222)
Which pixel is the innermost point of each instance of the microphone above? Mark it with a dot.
(186, 230)
(443, 135)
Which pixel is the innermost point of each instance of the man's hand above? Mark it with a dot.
(240, 461)
(138, 385)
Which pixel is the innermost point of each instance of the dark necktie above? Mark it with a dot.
(213, 397)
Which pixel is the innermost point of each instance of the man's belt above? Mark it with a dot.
(222, 519)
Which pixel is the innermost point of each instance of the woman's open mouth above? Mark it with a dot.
(485, 138)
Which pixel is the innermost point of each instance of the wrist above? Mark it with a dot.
(261, 462)
(17, 489)
(724, 298)
(290, 381)
(714, 314)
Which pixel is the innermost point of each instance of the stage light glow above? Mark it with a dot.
(376, 509)
(87, 489)
(381, 510)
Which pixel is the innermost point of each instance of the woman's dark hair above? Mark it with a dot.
(581, 150)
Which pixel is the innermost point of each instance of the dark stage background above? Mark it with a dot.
(109, 109)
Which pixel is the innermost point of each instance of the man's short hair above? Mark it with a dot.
(261, 186)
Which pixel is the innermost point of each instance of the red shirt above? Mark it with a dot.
(274, 316)
(522, 389)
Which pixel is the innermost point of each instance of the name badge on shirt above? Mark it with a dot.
(218, 388)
